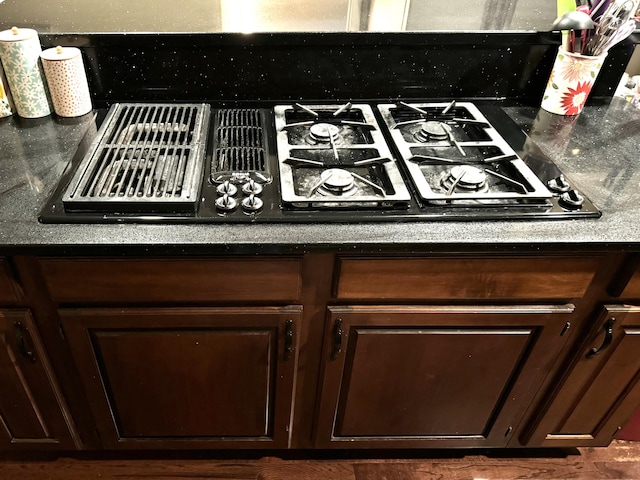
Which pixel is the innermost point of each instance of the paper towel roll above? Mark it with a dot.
(20, 53)
(5, 100)
(67, 81)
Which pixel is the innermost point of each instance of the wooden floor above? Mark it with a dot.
(619, 461)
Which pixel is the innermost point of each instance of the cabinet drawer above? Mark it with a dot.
(460, 278)
(9, 289)
(113, 280)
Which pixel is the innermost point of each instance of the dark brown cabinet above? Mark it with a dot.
(600, 392)
(31, 406)
(429, 376)
(187, 377)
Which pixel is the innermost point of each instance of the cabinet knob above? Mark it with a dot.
(20, 342)
(288, 339)
(608, 337)
(337, 339)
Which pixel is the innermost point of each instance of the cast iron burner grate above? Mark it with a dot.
(147, 158)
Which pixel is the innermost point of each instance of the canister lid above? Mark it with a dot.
(60, 53)
(15, 34)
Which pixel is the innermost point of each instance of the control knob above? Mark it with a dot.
(559, 184)
(226, 203)
(227, 188)
(252, 203)
(571, 200)
(252, 188)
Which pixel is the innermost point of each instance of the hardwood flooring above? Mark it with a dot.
(619, 461)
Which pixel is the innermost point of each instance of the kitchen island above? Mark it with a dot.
(382, 335)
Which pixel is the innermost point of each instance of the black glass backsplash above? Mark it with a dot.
(228, 69)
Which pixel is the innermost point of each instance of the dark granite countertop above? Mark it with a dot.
(598, 150)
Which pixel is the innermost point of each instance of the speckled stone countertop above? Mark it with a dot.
(599, 150)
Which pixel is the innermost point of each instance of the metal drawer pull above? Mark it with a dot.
(608, 337)
(288, 339)
(22, 347)
(337, 339)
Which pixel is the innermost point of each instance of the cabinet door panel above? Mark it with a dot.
(184, 378)
(424, 380)
(600, 392)
(30, 412)
(432, 376)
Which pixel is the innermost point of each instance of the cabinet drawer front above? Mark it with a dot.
(9, 289)
(113, 280)
(473, 278)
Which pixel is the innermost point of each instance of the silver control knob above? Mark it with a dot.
(227, 188)
(226, 203)
(252, 188)
(252, 203)
(571, 200)
(559, 184)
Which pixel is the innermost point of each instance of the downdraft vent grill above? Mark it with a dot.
(239, 149)
(149, 158)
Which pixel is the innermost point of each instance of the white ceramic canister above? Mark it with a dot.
(67, 81)
(20, 54)
(5, 100)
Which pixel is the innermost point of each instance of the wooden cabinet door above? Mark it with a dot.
(31, 406)
(600, 393)
(187, 378)
(433, 376)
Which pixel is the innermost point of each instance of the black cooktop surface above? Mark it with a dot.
(196, 164)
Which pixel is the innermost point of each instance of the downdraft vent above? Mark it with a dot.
(239, 150)
(149, 158)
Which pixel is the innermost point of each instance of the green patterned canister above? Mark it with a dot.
(20, 54)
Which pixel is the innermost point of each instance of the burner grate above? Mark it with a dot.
(149, 158)
(239, 151)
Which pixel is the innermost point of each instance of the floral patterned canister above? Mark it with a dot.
(20, 53)
(67, 81)
(570, 82)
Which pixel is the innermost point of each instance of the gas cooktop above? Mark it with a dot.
(340, 162)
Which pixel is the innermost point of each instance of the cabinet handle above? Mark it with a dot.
(608, 337)
(22, 346)
(337, 339)
(288, 339)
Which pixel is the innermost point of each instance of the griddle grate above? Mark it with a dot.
(240, 151)
(149, 157)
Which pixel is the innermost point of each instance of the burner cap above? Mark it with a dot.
(432, 130)
(465, 177)
(337, 181)
(324, 132)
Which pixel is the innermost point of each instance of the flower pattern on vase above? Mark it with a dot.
(21, 60)
(573, 99)
(570, 82)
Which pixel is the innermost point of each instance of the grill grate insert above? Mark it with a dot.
(149, 157)
(240, 150)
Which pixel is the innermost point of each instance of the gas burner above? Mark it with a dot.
(465, 177)
(324, 133)
(337, 182)
(432, 130)
(335, 156)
